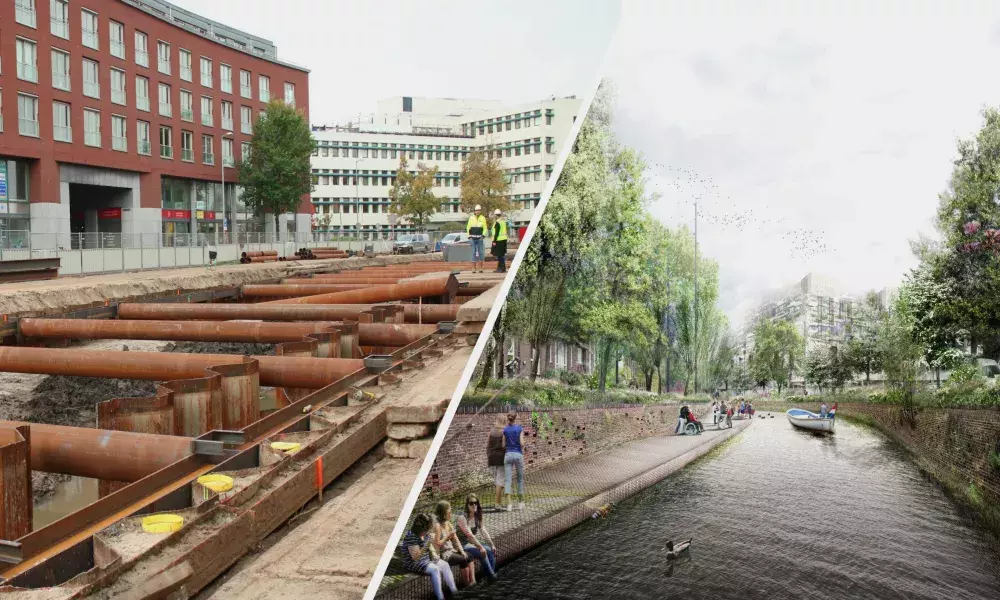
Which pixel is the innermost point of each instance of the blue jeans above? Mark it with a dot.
(511, 460)
(489, 561)
(438, 570)
(478, 253)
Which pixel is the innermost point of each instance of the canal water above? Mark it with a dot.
(776, 513)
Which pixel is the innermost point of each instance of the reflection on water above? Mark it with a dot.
(69, 496)
(780, 513)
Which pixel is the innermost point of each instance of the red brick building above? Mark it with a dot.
(124, 116)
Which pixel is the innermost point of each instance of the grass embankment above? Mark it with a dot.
(547, 394)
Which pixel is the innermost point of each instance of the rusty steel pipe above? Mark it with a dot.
(411, 290)
(366, 281)
(277, 371)
(101, 453)
(265, 290)
(413, 313)
(381, 334)
(182, 331)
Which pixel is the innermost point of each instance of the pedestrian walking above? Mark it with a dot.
(476, 228)
(500, 241)
(513, 458)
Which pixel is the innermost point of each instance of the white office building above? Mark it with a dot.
(354, 165)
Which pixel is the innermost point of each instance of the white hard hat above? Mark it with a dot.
(479, 207)
(497, 212)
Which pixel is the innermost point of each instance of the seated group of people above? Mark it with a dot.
(433, 545)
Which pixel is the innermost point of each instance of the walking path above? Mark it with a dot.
(564, 494)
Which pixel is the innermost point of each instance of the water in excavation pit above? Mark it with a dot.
(777, 514)
(68, 497)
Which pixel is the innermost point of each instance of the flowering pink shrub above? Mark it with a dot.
(971, 227)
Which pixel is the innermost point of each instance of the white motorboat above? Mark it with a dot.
(804, 419)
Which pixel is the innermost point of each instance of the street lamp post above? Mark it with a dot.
(696, 297)
(357, 197)
(225, 212)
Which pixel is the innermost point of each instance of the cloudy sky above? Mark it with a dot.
(816, 142)
(362, 51)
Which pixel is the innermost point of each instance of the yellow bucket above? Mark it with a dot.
(286, 447)
(162, 523)
(216, 483)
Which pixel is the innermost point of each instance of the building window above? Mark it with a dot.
(185, 60)
(207, 155)
(163, 57)
(227, 152)
(88, 21)
(142, 137)
(24, 12)
(206, 111)
(141, 49)
(289, 94)
(60, 70)
(245, 90)
(187, 146)
(91, 128)
(118, 95)
(165, 109)
(27, 60)
(166, 142)
(141, 93)
(264, 84)
(246, 120)
(187, 106)
(91, 79)
(59, 18)
(227, 115)
(119, 133)
(61, 130)
(226, 78)
(244, 151)
(117, 31)
(206, 72)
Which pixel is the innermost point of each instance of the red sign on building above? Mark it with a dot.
(175, 215)
(109, 213)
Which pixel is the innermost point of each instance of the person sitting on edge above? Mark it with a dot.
(475, 539)
(445, 542)
(419, 556)
(682, 419)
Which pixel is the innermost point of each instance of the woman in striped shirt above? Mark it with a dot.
(419, 556)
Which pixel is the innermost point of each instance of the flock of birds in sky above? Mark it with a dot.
(721, 212)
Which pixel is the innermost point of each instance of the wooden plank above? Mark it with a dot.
(161, 585)
(477, 310)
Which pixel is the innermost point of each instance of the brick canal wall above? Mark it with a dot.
(551, 435)
(954, 445)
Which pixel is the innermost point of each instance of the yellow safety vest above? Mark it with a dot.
(502, 236)
(475, 221)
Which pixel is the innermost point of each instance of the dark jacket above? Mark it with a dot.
(494, 449)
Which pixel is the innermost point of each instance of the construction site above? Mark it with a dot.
(245, 431)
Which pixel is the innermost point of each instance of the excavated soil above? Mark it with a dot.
(220, 348)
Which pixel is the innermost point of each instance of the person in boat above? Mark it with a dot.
(823, 409)
(674, 550)
(682, 419)
(693, 419)
(833, 411)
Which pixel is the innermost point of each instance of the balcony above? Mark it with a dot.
(187, 154)
(163, 66)
(290, 100)
(206, 79)
(227, 124)
(120, 143)
(166, 151)
(245, 91)
(25, 15)
(27, 72)
(226, 85)
(62, 133)
(90, 39)
(143, 147)
(186, 73)
(92, 138)
(246, 128)
(206, 119)
(166, 110)
(187, 114)
(228, 161)
(27, 127)
(92, 89)
(118, 97)
(142, 58)
(142, 103)
(118, 49)
(208, 158)
(265, 96)
(60, 81)
(59, 27)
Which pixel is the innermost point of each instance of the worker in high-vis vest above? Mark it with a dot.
(500, 241)
(476, 228)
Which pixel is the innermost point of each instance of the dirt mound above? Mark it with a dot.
(60, 400)
(220, 348)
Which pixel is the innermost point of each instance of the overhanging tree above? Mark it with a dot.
(276, 174)
(484, 182)
(413, 196)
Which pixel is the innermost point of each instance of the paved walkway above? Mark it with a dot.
(554, 489)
